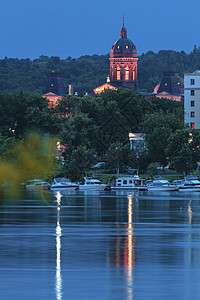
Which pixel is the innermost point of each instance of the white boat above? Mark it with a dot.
(62, 183)
(161, 184)
(129, 183)
(190, 184)
(37, 184)
(92, 184)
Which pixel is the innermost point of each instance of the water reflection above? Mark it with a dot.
(58, 283)
(130, 249)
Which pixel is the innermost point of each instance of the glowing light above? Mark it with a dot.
(126, 74)
(118, 75)
(130, 246)
(58, 283)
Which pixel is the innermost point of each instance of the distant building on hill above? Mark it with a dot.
(192, 99)
(123, 64)
(168, 88)
(55, 89)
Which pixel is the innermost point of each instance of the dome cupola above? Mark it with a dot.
(123, 61)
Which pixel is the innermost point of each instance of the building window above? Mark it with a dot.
(192, 81)
(192, 92)
(133, 74)
(192, 103)
(126, 74)
(192, 114)
(118, 75)
(118, 47)
(192, 125)
(165, 83)
(126, 46)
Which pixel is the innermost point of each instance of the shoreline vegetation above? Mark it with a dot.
(93, 128)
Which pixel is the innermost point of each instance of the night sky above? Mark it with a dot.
(65, 28)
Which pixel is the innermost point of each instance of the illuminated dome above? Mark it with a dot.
(123, 46)
(123, 62)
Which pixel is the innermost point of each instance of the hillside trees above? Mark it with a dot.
(88, 72)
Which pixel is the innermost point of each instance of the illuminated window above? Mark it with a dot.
(192, 114)
(192, 92)
(126, 46)
(133, 74)
(192, 103)
(52, 84)
(192, 81)
(118, 75)
(192, 125)
(126, 74)
(165, 83)
(118, 47)
(60, 85)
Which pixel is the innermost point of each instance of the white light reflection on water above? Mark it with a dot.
(130, 250)
(58, 283)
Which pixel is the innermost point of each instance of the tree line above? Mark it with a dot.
(96, 128)
(88, 72)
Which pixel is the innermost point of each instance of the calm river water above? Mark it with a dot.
(114, 246)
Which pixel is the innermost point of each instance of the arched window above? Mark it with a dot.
(133, 74)
(118, 73)
(127, 74)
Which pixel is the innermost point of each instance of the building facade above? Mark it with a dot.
(123, 64)
(192, 99)
(168, 87)
(55, 90)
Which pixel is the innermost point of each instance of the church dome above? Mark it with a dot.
(123, 46)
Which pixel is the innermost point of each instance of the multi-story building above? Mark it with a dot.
(123, 65)
(192, 99)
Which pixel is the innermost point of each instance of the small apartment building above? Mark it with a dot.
(192, 99)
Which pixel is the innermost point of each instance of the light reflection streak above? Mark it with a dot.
(130, 252)
(58, 283)
(190, 212)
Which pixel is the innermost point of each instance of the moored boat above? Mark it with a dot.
(92, 184)
(190, 184)
(62, 183)
(129, 183)
(161, 184)
(37, 184)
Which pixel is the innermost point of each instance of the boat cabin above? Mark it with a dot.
(128, 181)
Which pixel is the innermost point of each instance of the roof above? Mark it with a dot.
(169, 84)
(123, 45)
(104, 87)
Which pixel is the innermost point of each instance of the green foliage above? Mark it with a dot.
(79, 161)
(152, 169)
(159, 125)
(22, 112)
(117, 156)
(184, 149)
(88, 72)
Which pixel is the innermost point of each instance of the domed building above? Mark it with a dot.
(123, 64)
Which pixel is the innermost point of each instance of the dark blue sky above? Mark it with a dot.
(65, 28)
